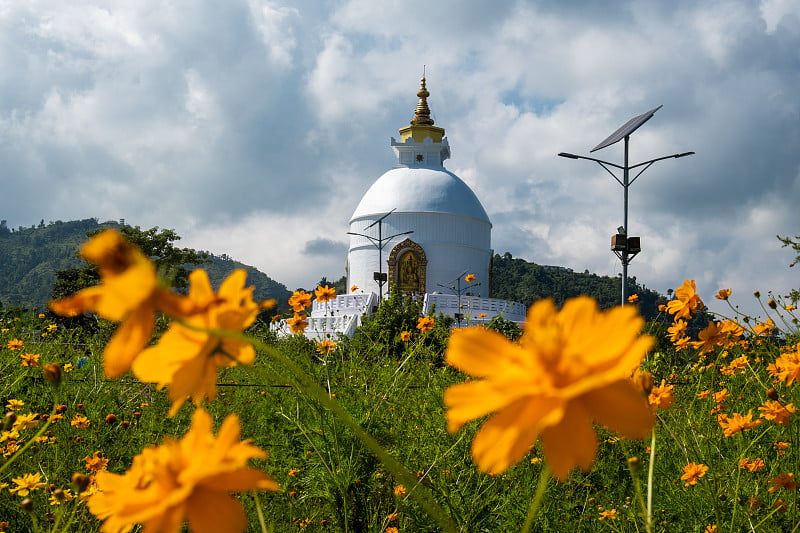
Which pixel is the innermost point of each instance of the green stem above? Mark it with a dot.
(30, 441)
(648, 518)
(259, 512)
(544, 477)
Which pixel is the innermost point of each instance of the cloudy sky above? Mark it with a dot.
(253, 127)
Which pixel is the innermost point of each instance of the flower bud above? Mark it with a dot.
(81, 482)
(772, 394)
(111, 418)
(757, 294)
(772, 304)
(27, 505)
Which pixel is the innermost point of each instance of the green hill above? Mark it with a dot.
(518, 280)
(30, 258)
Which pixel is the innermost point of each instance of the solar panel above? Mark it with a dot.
(626, 129)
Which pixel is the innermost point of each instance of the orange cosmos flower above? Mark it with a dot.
(15, 344)
(128, 292)
(183, 480)
(633, 298)
(186, 358)
(95, 462)
(405, 336)
(569, 368)
(740, 363)
(682, 344)
(425, 324)
(325, 294)
(30, 359)
(400, 491)
(299, 300)
(661, 397)
(80, 422)
(298, 323)
(736, 423)
(772, 410)
(469, 278)
(693, 472)
(687, 301)
(723, 294)
(756, 465)
(782, 481)
(721, 396)
(677, 330)
(711, 337)
(326, 347)
(354, 288)
(787, 367)
(608, 515)
(764, 328)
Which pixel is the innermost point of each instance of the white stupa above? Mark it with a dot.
(421, 228)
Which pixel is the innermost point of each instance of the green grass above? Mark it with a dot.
(396, 397)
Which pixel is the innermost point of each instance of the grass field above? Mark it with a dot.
(704, 469)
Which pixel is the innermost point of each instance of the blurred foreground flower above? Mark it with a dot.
(570, 368)
(128, 292)
(183, 480)
(186, 358)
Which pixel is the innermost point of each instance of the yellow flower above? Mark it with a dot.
(692, 472)
(425, 324)
(755, 465)
(293, 472)
(30, 359)
(180, 480)
(68, 368)
(298, 323)
(128, 292)
(400, 491)
(326, 347)
(633, 298)
(710, 529)
(354, 288)
(469, 278)
(325, 294)
(723, 294)
(80, 422)
(790, 307)
(764, 328)
(95, 462)
(608, 515)
(299, 300)
(687, 301)
(27, 483)
(15, 405)
(405, 336)
(187, 359)
(710, 337)
(569, 368)
(26, 421)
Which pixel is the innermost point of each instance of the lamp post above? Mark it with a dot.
(380, 276)
(624, 246)
(456, 288)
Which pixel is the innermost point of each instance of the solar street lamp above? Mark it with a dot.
(380, 276)
(625, 247)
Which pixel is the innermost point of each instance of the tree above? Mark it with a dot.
(794, 295)
(157, 244)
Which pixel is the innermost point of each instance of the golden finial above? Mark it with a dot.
(422, 115)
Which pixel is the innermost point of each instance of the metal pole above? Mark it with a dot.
(380, 261)
(625, 220)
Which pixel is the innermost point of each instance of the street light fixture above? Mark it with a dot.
(380, 276)
(623, 246)
(455, 286)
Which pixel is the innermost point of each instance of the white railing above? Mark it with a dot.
(472, 306)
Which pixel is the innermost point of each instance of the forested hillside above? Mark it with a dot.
(30, 258)
(518, 280)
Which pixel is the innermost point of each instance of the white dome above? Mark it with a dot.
(420, 190)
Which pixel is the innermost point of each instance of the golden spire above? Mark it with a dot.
(422, 114)
(422, 126)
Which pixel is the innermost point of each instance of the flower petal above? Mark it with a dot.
(128, 341)
(621, 408)
(572, 442)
